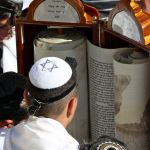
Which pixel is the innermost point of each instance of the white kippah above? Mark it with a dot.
(50, 73)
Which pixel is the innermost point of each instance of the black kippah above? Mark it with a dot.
(12, 86)
(10, 5)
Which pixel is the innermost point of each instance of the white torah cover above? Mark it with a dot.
(39, 134)
(50, 73)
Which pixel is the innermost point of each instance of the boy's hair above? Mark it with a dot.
(5, 32)
(56, 108)
(12, 86)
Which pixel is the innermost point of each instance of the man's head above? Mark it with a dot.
(52, 89)
(8, 9)
(12, 86)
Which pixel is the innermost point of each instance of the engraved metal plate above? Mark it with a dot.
(124, 19)
(56, 11)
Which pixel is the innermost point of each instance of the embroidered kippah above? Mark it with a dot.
(50, 73)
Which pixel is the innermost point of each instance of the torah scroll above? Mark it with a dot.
(132, 98)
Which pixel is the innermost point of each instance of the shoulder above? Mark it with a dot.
(3, 132)
(71, 146)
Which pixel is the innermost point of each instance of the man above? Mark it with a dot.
(12, 110)
(53, 99)
(8, 10)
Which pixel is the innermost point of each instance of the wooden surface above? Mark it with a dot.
(111, 39)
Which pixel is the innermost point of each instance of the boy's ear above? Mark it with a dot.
(72, 104)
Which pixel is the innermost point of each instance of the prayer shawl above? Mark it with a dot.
(3, 132)
(9, 59)
(39, 134)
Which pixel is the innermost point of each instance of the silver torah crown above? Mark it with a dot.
(104, 143)
(108, 143)
(110, 146)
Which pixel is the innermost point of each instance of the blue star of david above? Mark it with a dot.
(48, 65)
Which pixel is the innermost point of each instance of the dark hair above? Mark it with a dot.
(10, 8)
(12, 86)
(53, 109)
(5, 32)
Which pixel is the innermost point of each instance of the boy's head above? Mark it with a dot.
(51, 87)
(12, 86)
